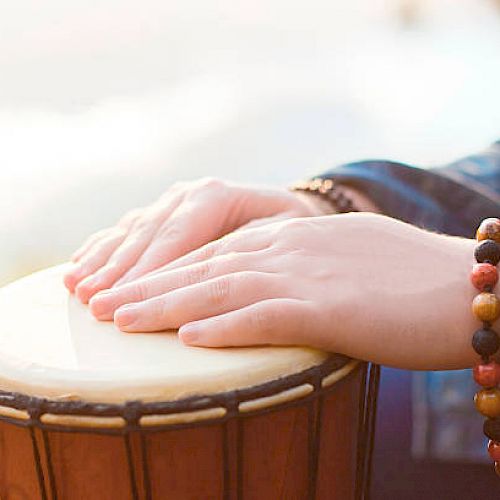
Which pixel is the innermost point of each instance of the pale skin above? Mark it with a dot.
(229, 265)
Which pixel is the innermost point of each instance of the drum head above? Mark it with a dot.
(52, 347)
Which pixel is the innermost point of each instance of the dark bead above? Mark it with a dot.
(485, 342)
(343, 204)
(491, 428)
(487, 250)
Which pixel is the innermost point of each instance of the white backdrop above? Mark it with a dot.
(104, 103)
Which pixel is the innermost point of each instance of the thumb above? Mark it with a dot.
(272, 321)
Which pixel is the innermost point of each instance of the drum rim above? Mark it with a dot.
(131, 411)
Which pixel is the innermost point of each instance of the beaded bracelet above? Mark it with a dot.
(486, 308)
(329, 191)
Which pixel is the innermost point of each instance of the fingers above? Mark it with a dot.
(104, 275)
(125, 223)
(253, 240)
(189, 227)
(199, 301)
(273, 321)
(139, 237)
(88, 243)
(104, 304)
(94, 258)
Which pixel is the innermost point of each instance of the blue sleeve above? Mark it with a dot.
(451, 199)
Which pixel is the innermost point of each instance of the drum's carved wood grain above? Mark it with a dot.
(339, 435)
(89, 466)
(185, 462)
(18, 479)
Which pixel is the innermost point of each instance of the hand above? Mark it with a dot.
(361, 284)
(186, 217)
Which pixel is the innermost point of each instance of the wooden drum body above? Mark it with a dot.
(88, 412)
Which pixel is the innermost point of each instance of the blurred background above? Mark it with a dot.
(104, 103)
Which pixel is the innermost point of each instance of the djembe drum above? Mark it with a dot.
(89, 412)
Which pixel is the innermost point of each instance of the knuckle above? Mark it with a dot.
(171, 232)
(291, 234)
(197, 273)
(161, 309)
(261, 321)
(219, 290)
(141, 290)
(210, 250)
(210, 183)
(140, 226)
(165, 232)
(130, 217)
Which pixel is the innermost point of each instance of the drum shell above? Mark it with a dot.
(287, 451)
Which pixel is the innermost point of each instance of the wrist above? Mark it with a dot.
(457, 319)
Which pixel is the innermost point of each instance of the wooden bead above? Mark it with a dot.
(486, 307)
(487, 250)
(494, 450)
(489, 229)
(487, 374)
(484, 275)
(485, 342)
(491, 429)
(488, 402)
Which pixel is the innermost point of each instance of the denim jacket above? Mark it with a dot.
(451, 199)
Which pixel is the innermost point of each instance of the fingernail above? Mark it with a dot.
(69, 282)
(126, 315)
(88, 288)
(189, 334)
(81, 291)
(71, 277)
